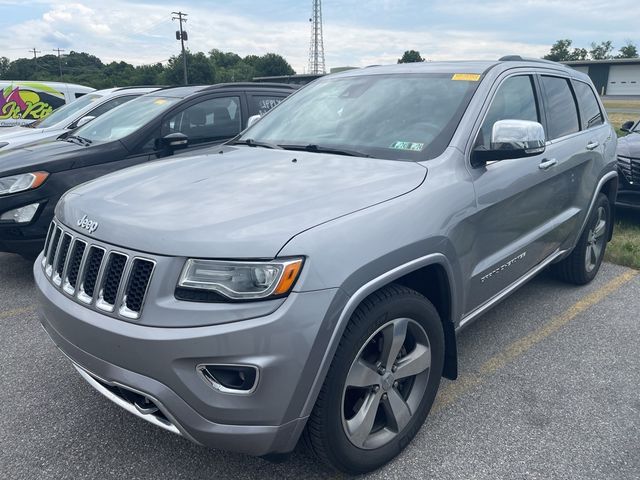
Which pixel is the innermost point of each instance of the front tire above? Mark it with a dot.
(582, 265)
(381, 384)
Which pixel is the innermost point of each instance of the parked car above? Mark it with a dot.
(147, 128)
(23, 102)
(70, 116)
(629, 166)
(309, 277)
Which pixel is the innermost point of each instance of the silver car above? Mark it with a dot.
(308, 278)
(70, 116)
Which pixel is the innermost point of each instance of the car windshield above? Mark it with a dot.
(396, 117)
(66, 111)
(125, 119)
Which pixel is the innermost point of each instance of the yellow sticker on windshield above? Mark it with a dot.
(160, 101)
(469, 77)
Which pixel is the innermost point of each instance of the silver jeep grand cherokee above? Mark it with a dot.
(308, 278)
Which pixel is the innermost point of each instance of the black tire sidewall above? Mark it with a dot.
(340, 450)
(601, 201)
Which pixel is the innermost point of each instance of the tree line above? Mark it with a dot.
(86, 69)
(561, 51)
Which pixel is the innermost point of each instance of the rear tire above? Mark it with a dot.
(582, 265)
(381, 383)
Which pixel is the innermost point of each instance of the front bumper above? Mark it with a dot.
(160, 364)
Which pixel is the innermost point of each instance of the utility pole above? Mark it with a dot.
(182, 36)
(316, 45)
(35, 56)
(59, 59)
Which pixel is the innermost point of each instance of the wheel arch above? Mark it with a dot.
(431, 267)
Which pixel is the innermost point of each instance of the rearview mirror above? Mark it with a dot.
(174, 141)
(627, 126)
(84, 121)
(253, 119)
(511, 139)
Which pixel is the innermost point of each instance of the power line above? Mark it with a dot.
(182, 36)
(59, 50)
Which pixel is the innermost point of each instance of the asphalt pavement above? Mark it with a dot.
(549, 388)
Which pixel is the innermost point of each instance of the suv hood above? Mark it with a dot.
(245, 203)
(629, 145)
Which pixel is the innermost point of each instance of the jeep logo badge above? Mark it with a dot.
(87, 224)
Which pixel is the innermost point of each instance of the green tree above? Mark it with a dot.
(411, 56)
(579, 54)
(628, 51)
(271, 65)
(560, 51)
(601, 51)
(4, 66)
(200, 71)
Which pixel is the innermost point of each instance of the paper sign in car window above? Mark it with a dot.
(412, 146)
(469, 77)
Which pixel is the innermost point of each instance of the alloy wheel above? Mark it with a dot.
(596, 240)
(385, 383)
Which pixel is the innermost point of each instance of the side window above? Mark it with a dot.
(261, 104)
(110, 104)
(207, 121)
(590, 114)
(79, 94)
(562, 113)
(514, 100)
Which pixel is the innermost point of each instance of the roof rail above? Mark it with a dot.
(253, 84)
(518, 58)
(117, 89)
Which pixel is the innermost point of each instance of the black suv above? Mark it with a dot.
(629, 166)
(153, 126)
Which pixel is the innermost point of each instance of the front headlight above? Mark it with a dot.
(21, 182)
(242, 280)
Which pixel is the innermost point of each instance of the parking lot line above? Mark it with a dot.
(452, 391)
(16, 311)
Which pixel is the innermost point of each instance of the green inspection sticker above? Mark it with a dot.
(414, 147)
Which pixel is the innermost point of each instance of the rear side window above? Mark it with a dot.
(514, 100)
(261, 104)
(590, 114)
(562, 113)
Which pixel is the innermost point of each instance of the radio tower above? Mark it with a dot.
(316, 47)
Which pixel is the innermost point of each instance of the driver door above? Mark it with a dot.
(517, 200)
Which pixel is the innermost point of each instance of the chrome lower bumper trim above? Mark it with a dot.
(129, 407)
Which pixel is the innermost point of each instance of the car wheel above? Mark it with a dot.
(381, 383)
(582, 265)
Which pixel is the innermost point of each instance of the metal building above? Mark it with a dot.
(618, 76)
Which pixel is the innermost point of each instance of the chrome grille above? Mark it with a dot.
(630, 168)
(97, 276)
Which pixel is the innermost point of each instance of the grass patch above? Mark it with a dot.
(624, 248)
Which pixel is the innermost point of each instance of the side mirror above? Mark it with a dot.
(627, 126)
(511, 139)
(253, 119)
(84, 121)
(174, 141)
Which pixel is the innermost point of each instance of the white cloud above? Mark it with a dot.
(144, 33)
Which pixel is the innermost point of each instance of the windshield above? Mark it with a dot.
(125, 119)
(66, 111)
(397, 117)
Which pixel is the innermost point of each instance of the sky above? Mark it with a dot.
(356, 32)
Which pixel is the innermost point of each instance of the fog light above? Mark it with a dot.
(20, 215)
(238, 379)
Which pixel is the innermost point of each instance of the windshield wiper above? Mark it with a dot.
(81, 140)
(323, 149)
(253, 143)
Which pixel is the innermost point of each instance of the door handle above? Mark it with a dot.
(593, 145)
(547, 164)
